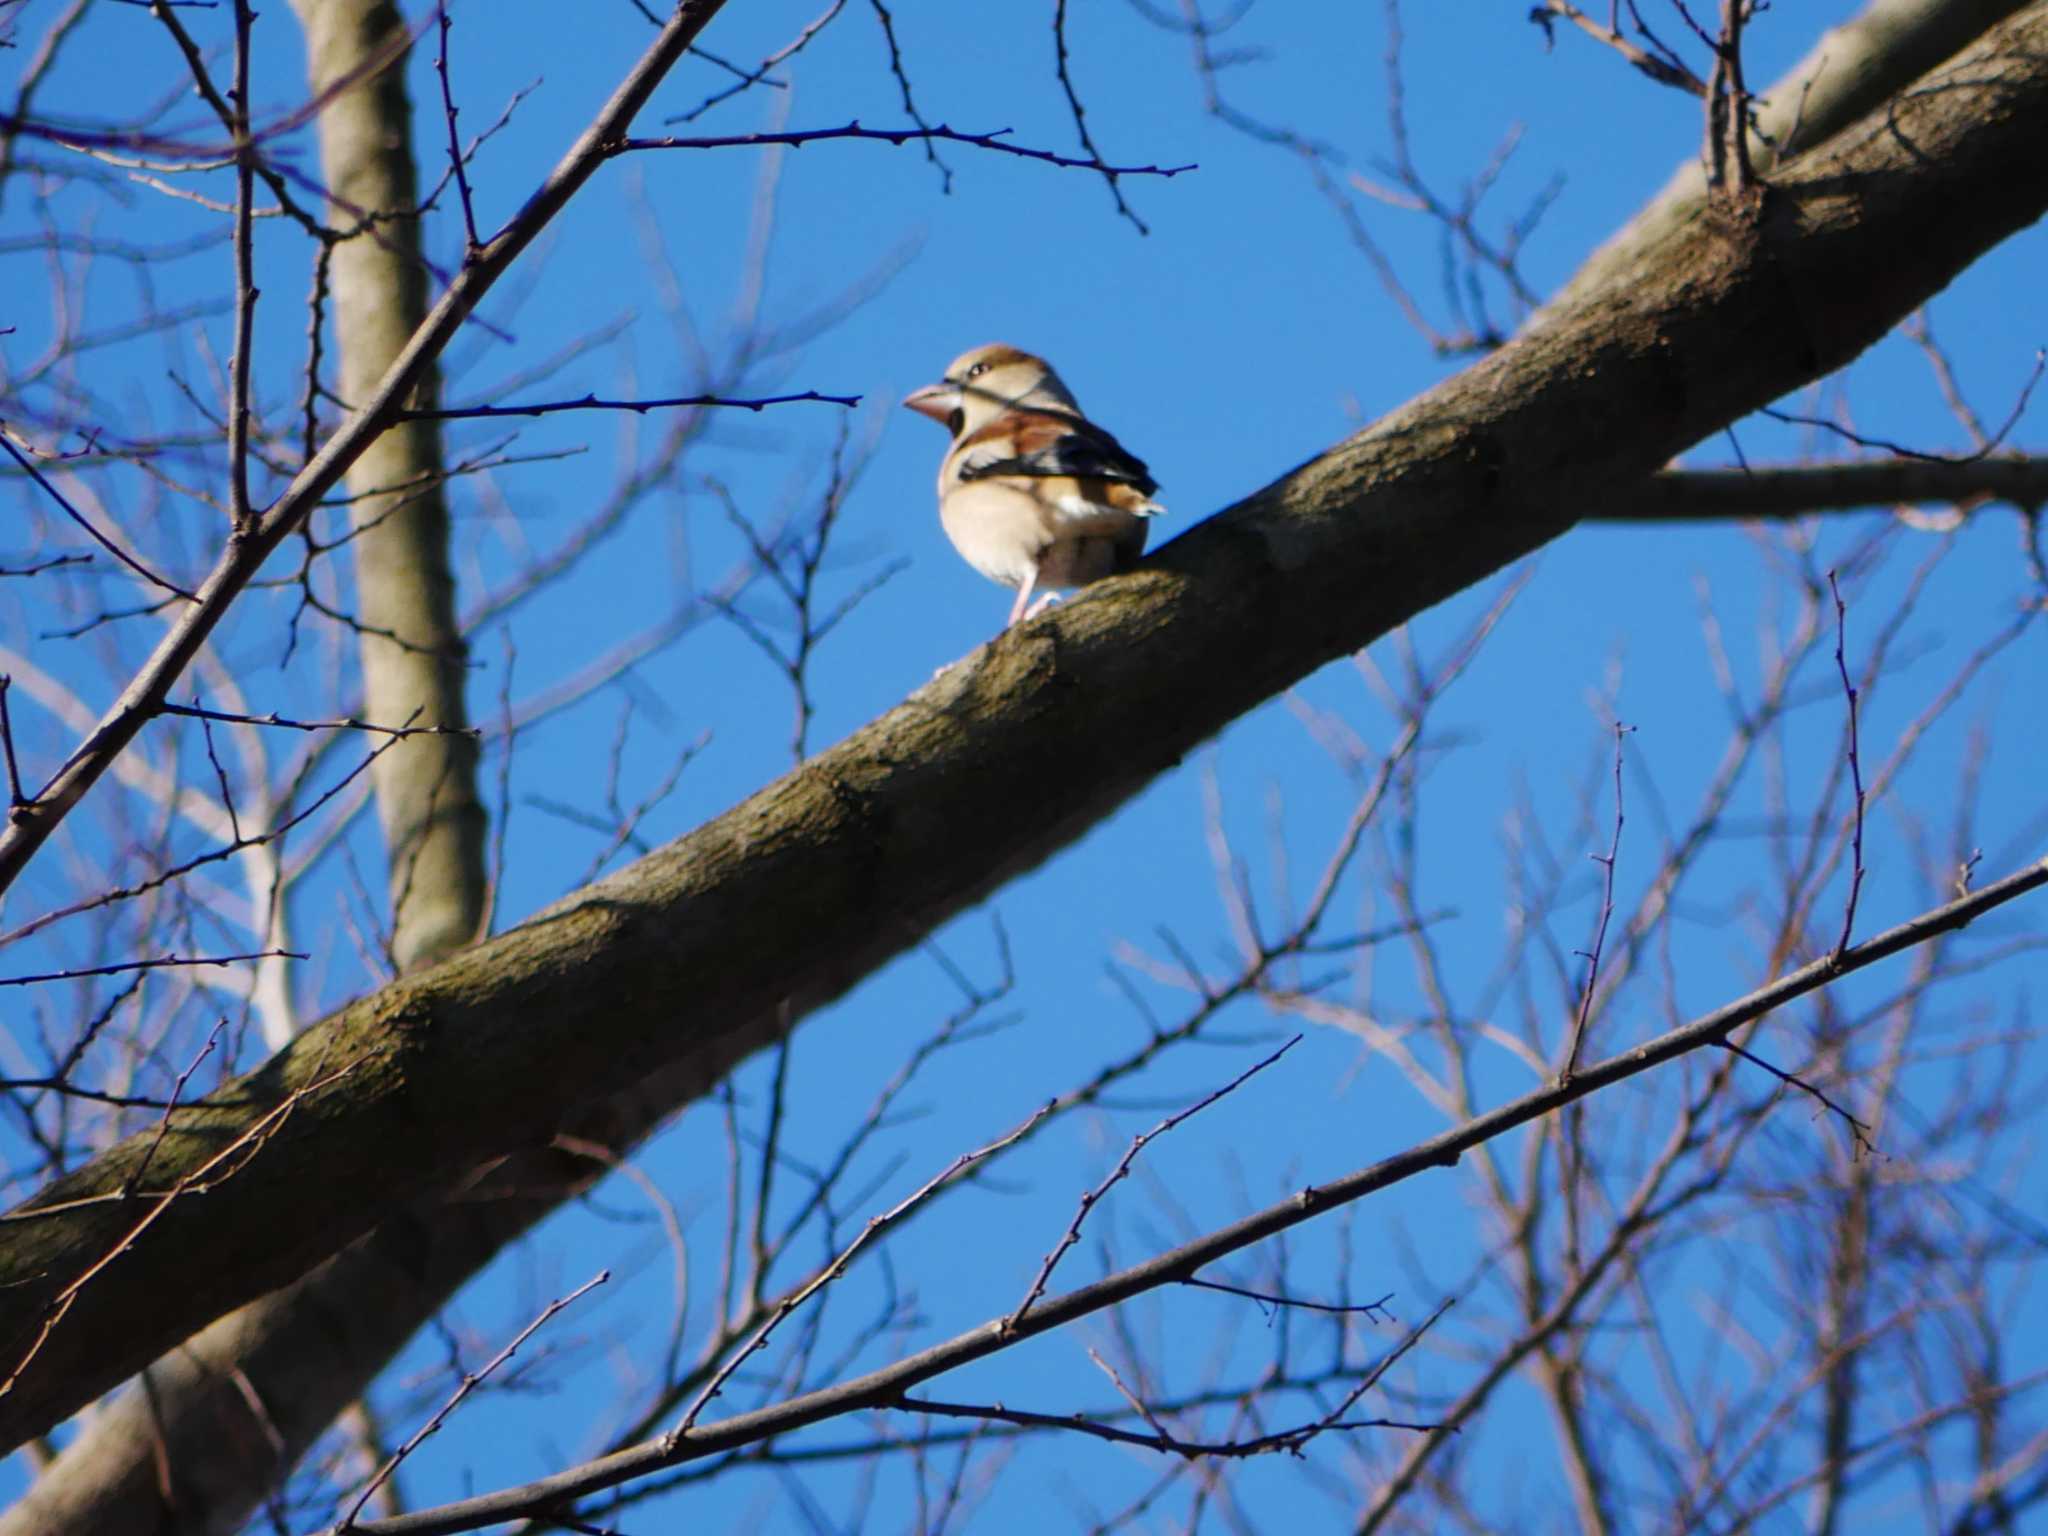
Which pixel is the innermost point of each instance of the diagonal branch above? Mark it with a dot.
(681, 958)
(885, 1387)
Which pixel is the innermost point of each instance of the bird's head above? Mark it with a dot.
(980, 385)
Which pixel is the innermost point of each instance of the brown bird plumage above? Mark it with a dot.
(1032, 493)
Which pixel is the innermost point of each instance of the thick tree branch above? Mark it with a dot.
(1798, 490)
(684, 957)
(220, 1420)
(1852, 71)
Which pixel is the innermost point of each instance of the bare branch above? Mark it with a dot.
(1080, 114)
(1122, 1171)
(244, 556)
(456, 159)
(470, 1382)
(160, 962)
(637, 407)
(195, 712)
(1663, 67)
(78, 517)
(1592, 956)
(882, 1388)
(994, 140)
(1855, 760)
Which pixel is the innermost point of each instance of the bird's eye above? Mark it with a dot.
(977, 370)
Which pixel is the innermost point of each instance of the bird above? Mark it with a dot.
(1032, 493)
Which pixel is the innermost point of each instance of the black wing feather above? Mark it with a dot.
(1052, 443)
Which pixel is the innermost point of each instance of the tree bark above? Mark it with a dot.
(685, 962)
(412, 650)
(210, 1430)
(1851, 72)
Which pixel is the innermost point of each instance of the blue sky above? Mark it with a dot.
(1238, 338)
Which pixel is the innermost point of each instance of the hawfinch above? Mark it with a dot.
(1032, 493)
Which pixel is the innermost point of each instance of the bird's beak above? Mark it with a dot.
(937, 401)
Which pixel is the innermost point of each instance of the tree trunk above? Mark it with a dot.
(412, 651)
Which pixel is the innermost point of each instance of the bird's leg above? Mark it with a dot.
(1044, 601)
(1023, 596)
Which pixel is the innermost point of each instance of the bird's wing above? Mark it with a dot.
(1051, 443)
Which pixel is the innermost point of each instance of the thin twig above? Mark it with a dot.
(1665, 71)
(85, 522)
(798, 137)
(163, 1125)
(1983, 449)
(14, 794)
(1291, 1441)
(240, 516)
(902, 78)
(1592, 956)
(1121, 1171)
(51, 564)
(229, 717)
(161, 962)
(1372, 1309)
(637, 407)
(240, 1150)
(1080, 114)
(1855, 769)
(758, 75)
(876, 1225)
(1281, 1440)
(1858, 1130)
(470, 1381)
(455, 159)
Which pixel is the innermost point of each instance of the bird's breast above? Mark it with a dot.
(998, 529)
(1004, 525)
